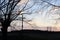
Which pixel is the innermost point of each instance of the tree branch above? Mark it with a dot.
(50, 3)
(19, 12)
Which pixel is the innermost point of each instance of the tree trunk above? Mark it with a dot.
(4, 33)
(5, 25)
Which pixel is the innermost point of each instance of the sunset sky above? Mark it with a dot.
(39, 15)
(43, 15)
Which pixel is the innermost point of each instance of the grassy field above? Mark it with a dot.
(31, 35)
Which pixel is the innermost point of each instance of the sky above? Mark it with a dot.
(40, 16)
(55, 2)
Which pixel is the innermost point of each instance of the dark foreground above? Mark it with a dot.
(32, 35)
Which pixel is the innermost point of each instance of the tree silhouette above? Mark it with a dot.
(6, 8)
(7, 15)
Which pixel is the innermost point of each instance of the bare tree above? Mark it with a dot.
(7, 15)
(6, 8)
